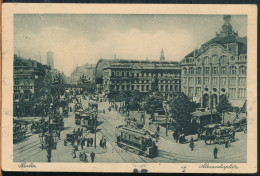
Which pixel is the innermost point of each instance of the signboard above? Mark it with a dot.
(22, 87)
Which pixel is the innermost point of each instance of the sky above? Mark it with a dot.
(85, 38)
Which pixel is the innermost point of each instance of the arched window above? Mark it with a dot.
(198, 70)
(206, 60)
(223, 70)
(223, 59)
(123, 74)
(215, 59)
(191, 70)
(127, 74)
(215, 70)
(185, 70)
(113, 74)
(232, 70)
(241, 57)
(242, 70)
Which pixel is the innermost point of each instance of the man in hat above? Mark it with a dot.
(215, 151)
(92, 155)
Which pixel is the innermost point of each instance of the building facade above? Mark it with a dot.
(138, 75)
(218, 67)
(88, 70)
(31, 81)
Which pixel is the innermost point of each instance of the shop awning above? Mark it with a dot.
(237, 103)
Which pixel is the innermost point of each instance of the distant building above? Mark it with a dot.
(50, 59)
(218, 67)
(138, 75)
(88, 70)
(162, 58)
(31, 81)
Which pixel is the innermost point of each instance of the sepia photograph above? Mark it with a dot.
(130, 88)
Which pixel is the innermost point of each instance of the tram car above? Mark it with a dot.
(136, 140)
(78, 116)
(88, 120)
(240, 124)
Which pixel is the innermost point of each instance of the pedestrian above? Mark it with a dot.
(191, 145)
(80, 156)
(92, 155)
(87, 142)
(82, 143)
(105, 143)
(84, 157)
(91, 141)
(158, 128)
(73, 153)
(215, 152)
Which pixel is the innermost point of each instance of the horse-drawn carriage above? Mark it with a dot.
(240, 124)
(217, 134)
(70, 137)
(19, 129)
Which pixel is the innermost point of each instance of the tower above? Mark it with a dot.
(50, 61)
(227, 29)
(162, 58)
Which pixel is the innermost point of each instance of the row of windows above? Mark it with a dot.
(145, 87)
(215, 59)
(127, 74)
(232, 92)
(215, 70)
(22, 96)
(144, 81)
(222, 81)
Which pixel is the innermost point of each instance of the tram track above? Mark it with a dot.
(135, 157)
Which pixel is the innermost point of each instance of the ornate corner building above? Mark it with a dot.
(218, 67)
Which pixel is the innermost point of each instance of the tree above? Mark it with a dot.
(181, 108)
(223, 106)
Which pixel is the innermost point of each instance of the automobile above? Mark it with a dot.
(223, 134)
(208, 132)
(70, 137)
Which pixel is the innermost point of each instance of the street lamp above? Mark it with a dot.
(95, 114)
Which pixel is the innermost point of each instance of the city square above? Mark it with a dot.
(189, 110)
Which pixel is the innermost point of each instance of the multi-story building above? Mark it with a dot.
(138, 75)
(31, 81)
(88, 70)
(50, 60)
(218, 67)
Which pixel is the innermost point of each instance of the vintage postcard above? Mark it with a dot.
(129, 88)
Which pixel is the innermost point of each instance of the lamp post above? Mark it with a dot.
(49, 139)
(95, 113)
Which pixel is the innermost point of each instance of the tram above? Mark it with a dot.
(240, 124)
(136, 140)
(19, 130)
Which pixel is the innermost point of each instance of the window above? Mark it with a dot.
(123, 87)
(117, 73)
(223, 70)
(185, 71)
(232, 92)
(232, 70)
(123, 74)
(137, 88)
(241, 92)
(162, 88)
(133, 87)
(241, 57)
(26, 95)
(191, 80)
(223, 81)
(198, 70)
(184, 89)
(215, 59)
(206, 80)
(171, 87)
(127, 74)
(184, 81)
(241, 81)
(142, 87)
(215, 81)
(242, 70)
(16, 81)
(117, 87)
(191, 70)
(206, 60)
(16, 96)
(232, 81)
(206, 71)
(113, 74)
(176, 87)
(133, 74)
(147, 87)
(223, 60)
(198, 80)
(191, 91)
(137, 74)
(215, 70)
(198, 91)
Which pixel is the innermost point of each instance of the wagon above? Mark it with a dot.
(70, 137)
